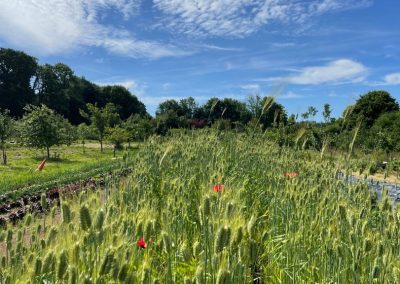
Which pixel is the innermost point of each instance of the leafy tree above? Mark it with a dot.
(101, 119)
(16, 71)
(43, 128)
(79, 93)
(369, 107)
(51, 84)
(255, 105)
(386, 131)
(170, 106)
(312, 111)
(327, 113)
(229, 109)
(272, 113)
(169, 120)
(84, 132)
(6, 130)
(126, 103)
(266, 111)
(188, 107)
(139, 128)
(117, 136)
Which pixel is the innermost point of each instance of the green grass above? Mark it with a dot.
(311, 228)
(71, 163)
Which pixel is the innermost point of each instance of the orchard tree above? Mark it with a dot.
(41, 127)
(6, 130)
(117, 136)
(101, 119)
(84, 132)
(139, 128)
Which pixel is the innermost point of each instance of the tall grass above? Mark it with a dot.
(309, 228)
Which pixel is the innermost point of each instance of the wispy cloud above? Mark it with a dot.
(290, 96)
(137, 88)
(336, 72)
(392, 79)
(242, 17)
(389, 80)
(251, 87)
(57, 26)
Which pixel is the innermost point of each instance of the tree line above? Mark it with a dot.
(25, 82)
(46, 105)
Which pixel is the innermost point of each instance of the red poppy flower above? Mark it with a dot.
(141, 243)
(291, 174)
(218, 187)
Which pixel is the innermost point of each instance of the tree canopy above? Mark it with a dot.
(369, 107)
(16, 72)
(41, 127)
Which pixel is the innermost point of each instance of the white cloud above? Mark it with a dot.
(57, 26)
(136, 88)
(251, 87)
(166, 86)
(392, 79)
(336, 72)
(240, 18)
(290, 96)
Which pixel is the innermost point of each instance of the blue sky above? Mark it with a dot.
(305, 53)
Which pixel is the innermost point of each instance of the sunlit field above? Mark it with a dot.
(208, 207)
(66, 164)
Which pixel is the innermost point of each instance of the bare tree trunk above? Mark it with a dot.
(101, 145)
(48, 152)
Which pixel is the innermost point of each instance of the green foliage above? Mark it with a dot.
(41, 127)
(139, 128)
(7, 126)
(16, 72)
(117, 136)
(258, 228)
(369, 107)
(101, 119)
